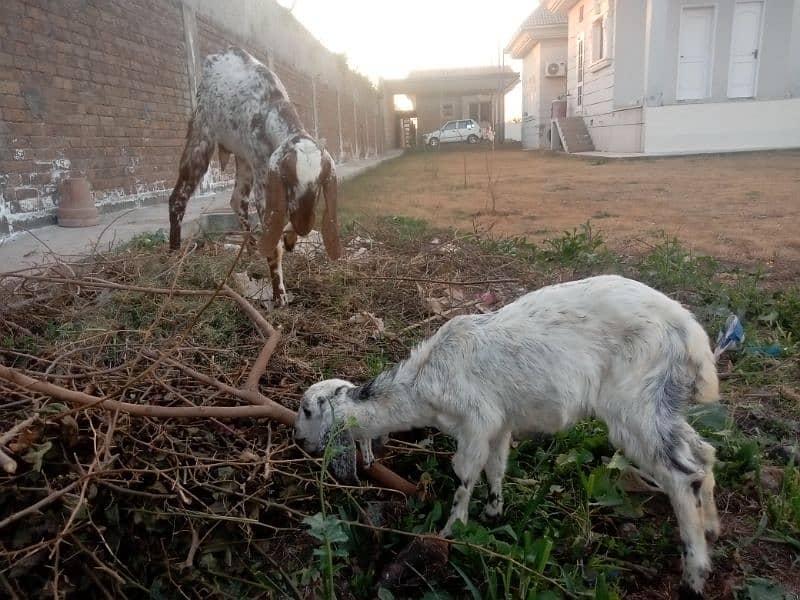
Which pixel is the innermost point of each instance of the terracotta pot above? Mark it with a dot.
(76, 208)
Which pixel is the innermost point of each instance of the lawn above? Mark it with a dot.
(743, 208)
(231, 508)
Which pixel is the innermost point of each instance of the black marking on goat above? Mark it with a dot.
(687, 593)
(363, 393)
(670, 449)
(696, 485)
(257, 122)
(493, 498)
(670, 389)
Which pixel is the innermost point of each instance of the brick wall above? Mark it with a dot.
(101, 88)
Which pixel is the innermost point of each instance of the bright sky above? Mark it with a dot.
(389, 38)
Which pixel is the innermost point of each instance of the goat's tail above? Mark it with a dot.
(706, 385)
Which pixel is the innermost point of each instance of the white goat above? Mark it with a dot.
(243, 109)
(605, 347)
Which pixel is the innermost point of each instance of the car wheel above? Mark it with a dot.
(473, 139)
(433, 142)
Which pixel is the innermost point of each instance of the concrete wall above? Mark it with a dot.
(105, 88)
(531, 99)
(613, 86)
(513, 131)
(538, 91)
(793, 55)
(629, 56)
(747, 125)
(598, 83)
(429, 110)
(553, 50)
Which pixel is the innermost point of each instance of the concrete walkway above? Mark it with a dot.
(37, 246)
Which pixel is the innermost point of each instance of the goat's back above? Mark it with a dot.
(234, 98)
(571, 350)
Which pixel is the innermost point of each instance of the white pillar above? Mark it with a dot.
(314, 106)
(655, 51)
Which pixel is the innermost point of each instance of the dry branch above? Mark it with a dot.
(271, 410)
(378, 473)
(9, 464)
(12, 433)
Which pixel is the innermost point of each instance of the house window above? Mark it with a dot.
(598, 40)
(473, 111)
(580, 14)
(447, 110)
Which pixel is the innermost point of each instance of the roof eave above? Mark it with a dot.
(520, 44)
(527, 38)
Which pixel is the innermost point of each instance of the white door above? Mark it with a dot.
(745, 42)
(694, 52)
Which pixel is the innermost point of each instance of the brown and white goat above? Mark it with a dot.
(243, 109)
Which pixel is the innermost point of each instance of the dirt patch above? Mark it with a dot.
(742, 208)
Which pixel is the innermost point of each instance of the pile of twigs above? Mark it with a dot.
(145, 404)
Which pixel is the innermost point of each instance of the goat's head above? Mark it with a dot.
(299, 169)
(319, 424)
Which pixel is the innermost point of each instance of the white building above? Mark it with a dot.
(679, 76)
(540, 41)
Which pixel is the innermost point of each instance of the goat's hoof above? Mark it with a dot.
(491, 516)
(687, 593)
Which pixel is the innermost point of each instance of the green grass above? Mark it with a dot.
(569, 528)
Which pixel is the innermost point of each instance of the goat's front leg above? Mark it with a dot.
(275, 263)
(468, 462)
(365, 444)
(274, 255)
(239, 204)
(289, 237)
(495, 473)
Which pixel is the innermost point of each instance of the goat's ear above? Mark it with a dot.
(275, 213)
(330, 224)
(343, 461)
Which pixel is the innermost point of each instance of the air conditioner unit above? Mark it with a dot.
(556, 69)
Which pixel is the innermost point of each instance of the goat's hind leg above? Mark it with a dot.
(684, 477)
(675, 464)
(705, 455)
(193, 165)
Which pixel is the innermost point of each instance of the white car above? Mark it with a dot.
(462, 130)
